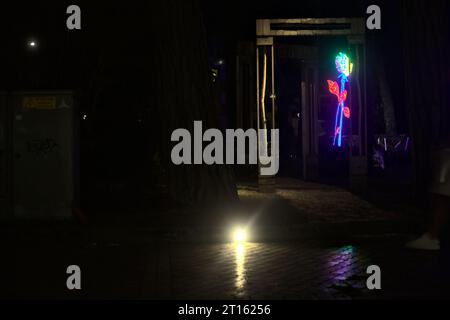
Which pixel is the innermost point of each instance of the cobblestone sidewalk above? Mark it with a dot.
(288, 270)
(320, 203)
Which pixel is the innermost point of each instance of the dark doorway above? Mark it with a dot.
(306, 110)
(288, 79)
(296, 78)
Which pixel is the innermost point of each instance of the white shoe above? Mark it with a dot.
(425, 242)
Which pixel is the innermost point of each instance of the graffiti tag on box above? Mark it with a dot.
(42, 147)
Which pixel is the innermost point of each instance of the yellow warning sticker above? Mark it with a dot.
(40, 103)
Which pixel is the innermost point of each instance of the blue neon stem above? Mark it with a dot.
(341, 110)
(340, 125)
(335, 124)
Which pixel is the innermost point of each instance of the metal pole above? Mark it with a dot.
(365, 99)
(257, 101)
(239, 109)
(273, 96)
(361, 108)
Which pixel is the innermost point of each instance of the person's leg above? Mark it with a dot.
(439, 204)
(438, 217)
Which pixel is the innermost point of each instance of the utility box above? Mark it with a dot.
(43, 159)
(5, 153)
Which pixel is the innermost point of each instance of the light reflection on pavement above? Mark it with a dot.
(256, 270)
(289, 270)
(297, 271)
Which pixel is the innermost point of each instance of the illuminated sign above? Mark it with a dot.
(344, 67)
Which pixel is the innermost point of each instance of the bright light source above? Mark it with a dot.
(84, 116)
(240, 235)
(32, 44)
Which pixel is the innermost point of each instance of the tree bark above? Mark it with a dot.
(183, 93)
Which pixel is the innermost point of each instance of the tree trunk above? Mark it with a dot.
(183, 93)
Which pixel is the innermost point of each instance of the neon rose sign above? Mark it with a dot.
(344, 67)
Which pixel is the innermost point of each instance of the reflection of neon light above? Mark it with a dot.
(344, 67)
(343, 259)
